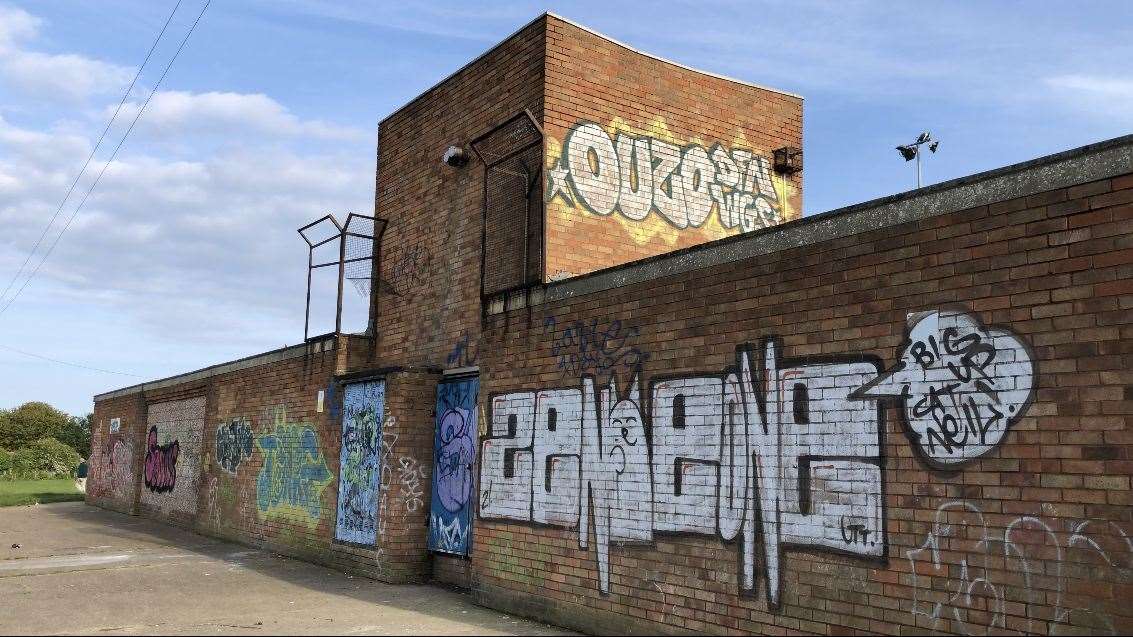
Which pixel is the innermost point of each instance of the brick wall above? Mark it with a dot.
(429, 294)
(921, 426)
(612, 112)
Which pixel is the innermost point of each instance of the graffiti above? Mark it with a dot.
(407, 273)
(462, 355)
(962, 386)
(719, 459)
(233, 444)
(294, 472)
(410, 474)
(358, 463)
(160, 463)
(112, 472)
(448, 537)
(783, 454)
(388, 434)
(639, 175)
(593, 348)
(454, 455)
(974, 596)
(115, 425)
(171, 463)
(212, 507)
(333, 410)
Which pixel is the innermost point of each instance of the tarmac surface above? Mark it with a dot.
(80, 569)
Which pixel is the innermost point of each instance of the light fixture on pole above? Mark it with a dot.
(913, 151)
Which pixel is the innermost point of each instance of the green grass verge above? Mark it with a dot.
(21, 492)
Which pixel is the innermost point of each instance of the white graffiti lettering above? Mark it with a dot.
(781, 440)
(637, 175)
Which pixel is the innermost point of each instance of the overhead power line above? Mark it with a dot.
(68, 364)
(98, 144)
(114, 154)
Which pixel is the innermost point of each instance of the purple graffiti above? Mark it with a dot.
(161, 463)
(454, 460)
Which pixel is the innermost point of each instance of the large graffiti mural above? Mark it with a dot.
(359, 468)
(294, 472)
(454, 456)
(773, 454)
(686, 186)
(171, 466)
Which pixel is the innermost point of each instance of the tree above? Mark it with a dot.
(34, 421)
(76, 433)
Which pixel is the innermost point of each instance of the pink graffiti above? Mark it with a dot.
(161, 463)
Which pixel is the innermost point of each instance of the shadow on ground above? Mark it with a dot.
(84, 569)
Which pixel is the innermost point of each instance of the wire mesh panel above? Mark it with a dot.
(358, 254)
(513, 158)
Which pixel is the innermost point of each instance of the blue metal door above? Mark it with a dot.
(359, 470)
(454, 457)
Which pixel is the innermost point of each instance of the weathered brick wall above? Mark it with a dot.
(429, 294)
(258, 461)
(925, 426)
(645, 157)
(116, 453)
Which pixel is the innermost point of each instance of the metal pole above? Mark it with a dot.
(918, 167)
(307, 316)
(341, 275)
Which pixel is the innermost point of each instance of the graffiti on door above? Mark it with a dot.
(363, 405)
(454, 456)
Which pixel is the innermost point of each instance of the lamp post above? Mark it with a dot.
(912, 151)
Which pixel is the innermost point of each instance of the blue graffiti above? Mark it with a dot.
(454, 456)
(360, 469)
(294, 473)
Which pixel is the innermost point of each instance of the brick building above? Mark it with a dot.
(611, 380)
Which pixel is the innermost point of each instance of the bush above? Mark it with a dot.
(44, 458)
(5, 461)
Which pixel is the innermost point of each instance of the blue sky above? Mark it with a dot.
(186, 255)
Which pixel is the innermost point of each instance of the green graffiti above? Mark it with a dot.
(294, 473)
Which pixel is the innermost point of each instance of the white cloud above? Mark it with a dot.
(1096, 95)
(181, 112)
(69, 76)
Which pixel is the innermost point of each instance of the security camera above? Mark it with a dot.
(455, 156)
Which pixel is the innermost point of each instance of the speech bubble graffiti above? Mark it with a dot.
(962, 386)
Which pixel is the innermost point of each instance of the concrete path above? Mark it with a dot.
(80, 569)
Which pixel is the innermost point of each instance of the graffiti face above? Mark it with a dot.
(294, 472)
(962, 386)
(233, 444)
(639, 175)
(360, 463)
(161, 463)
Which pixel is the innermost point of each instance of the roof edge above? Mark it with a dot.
(549, 14)
(668, 61)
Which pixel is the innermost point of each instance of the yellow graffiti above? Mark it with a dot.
(654, 234)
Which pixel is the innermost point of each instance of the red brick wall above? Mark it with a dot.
(995, 496)
(429, 294)
(276, 492)
(598, 90)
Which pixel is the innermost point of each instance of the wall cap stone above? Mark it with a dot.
(274, 356)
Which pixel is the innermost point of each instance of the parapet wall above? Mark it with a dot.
(911, 415)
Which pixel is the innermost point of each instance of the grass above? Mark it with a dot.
(22, 492)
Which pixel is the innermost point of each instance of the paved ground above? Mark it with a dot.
(80, 569)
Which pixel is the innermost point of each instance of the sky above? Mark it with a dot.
(186, 255)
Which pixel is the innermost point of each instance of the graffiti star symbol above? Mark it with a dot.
(557, 183)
